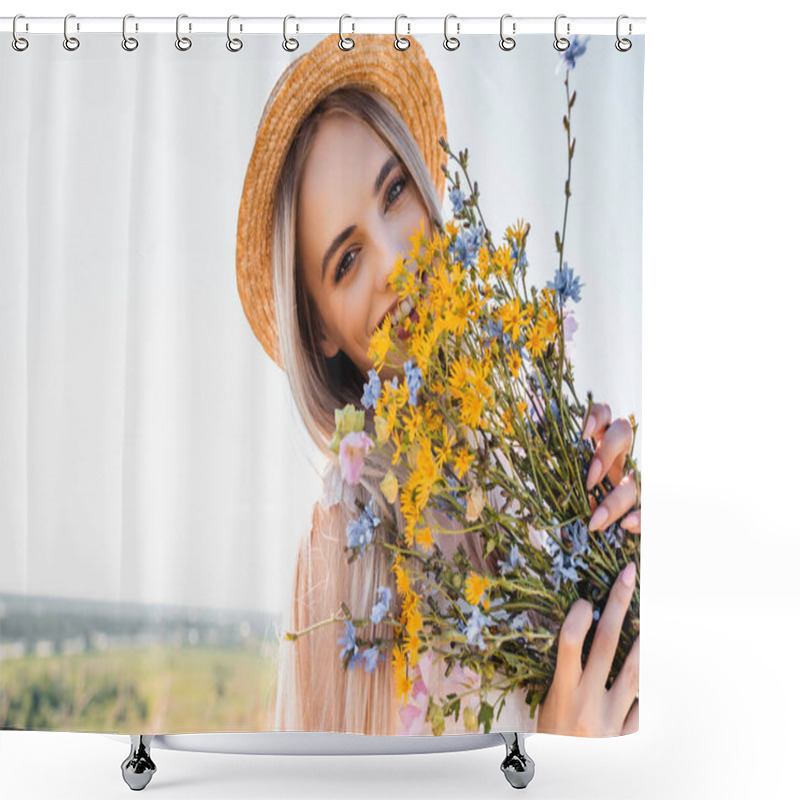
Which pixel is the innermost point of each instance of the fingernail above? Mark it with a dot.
(594, 473)
(629, 575)
(598, 518)
(590, 426)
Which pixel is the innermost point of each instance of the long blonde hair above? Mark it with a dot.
(315, 692)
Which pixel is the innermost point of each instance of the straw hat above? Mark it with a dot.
(405, 77)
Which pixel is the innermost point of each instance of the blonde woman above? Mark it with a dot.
(345, 167)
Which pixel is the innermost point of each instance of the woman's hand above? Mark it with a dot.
(614, 441)
(577, 703)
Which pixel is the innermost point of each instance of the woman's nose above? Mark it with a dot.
(388, 243)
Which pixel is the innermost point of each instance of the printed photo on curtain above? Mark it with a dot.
(321, 386)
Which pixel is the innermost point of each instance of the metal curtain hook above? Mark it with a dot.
(561, 43)
(289, 44)
(507, 42)
(129, 43)
(451, 42)
(18, 42)
(181, 42)
(70, 42)
(234, 45)
(623, 45)
(400, 42)
(345, 42)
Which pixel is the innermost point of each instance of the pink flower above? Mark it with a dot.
(570, 326)
(352, 449)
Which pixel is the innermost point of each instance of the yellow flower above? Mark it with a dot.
(425, 539)
(447, 446)
(451, 228)
(402, 684)
(476, 500)
(503, 260)
(513, 317)
(380, 343)
(484, 262)
(475, 587)
(383, 429)
(536, 342)
(506, 419)
(515, 363)
(519, 231)
(389, 486)
(401, 578)
(463, 460)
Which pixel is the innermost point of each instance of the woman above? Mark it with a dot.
(345, 167)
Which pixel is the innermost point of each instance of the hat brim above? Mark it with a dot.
(406, 78)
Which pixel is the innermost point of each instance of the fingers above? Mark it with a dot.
(632, 522)
(632, 720)
(570, 644)
(597, 419)
(626, 687)
(615, 504)
(606, 636)
(610, 454)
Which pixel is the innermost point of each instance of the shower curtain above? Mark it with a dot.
(305, 367)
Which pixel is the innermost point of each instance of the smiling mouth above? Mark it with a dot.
(400, 311)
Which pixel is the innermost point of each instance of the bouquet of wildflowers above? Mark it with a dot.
(485, 437)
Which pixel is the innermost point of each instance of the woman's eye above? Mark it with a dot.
(391, 194)
(339, 269)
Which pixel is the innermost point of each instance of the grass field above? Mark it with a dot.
(158, 689)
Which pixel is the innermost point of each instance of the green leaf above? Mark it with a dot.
(566, 123)
(572, 100)
(558, 242)
(485, 716)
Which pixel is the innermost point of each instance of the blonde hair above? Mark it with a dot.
(314, 691)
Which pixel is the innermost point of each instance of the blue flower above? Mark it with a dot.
(372, 390)
(467, 243)
(514, 561)
(473, 628)
(350, 646)
(520, 261)
(566, 284)
(562, 569)
(370, 659)
(575, 50)
(359, 532)
(381, 608)
(457, 199)
(413, 381)
(578, 535)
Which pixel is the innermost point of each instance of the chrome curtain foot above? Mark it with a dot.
(138, 768)
(517, 766)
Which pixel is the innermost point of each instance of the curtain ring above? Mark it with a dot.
(70, 42)
(451, 42)
(623, 45)
(507, 42)
(400, 42)
(183, 43)
(561, 43)
(289, 44)
(345, 42)
(18, 42)
(129, 43)
(234, 45)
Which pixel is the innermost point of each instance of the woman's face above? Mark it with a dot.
(357, 210)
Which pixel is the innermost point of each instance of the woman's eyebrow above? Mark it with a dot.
(391, 162)
(385, 170)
